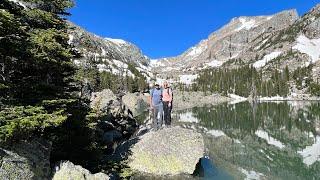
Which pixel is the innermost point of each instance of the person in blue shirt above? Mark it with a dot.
(156, 106)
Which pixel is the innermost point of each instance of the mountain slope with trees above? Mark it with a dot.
(104, 61)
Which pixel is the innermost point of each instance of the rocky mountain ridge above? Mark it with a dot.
(265, 42)
(111, 55)
(229, 41)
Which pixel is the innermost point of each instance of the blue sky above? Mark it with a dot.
(164, 28)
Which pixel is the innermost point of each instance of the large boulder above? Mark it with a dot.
(14, 166)
(135, 102)
(68, 171)
(170, 151)
(26, 159)
(102, 101)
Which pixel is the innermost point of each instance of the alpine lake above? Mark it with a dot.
(264, 140)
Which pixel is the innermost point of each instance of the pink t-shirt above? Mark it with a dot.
(167, 95)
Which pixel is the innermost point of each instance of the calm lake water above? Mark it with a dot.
(274, 140)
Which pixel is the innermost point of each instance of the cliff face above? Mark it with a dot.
(240, 33)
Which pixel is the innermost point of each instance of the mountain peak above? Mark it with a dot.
(232, 41)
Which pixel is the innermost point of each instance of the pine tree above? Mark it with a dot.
(287, 73)
(38, 66)
(37, 72)
(13, 34)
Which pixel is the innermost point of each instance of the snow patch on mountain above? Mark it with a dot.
(123, 72)
(76, 62)
(19, 2)
(262, 43)
(188, 117)
(71, 38)
(144, 67)
(236, 99)
(273, 98)
(102, 67)
(215, 63)
(169, 68)
(117, 67)
(196, 51)
(103, 52)
(261, 63)
(121, 68)
(308, 46)
(246, 24)
(157, 63)
(264, 135)
(251, 174)
(311, 154)
(269, 17)
(188, 79)
(216, 133)
(118, 42)
(120, 64)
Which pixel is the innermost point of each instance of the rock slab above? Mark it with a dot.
(26, 160)
(170, 151)
(68, 171)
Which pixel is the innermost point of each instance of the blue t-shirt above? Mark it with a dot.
(156, 95)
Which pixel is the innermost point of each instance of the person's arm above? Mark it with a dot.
(150, 99)
(170, 95)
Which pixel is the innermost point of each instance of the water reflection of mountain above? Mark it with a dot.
(278, 140)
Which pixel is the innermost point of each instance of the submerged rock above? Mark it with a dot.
(68, 171)
(170, 151)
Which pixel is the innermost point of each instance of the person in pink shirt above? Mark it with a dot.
(167, 97)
